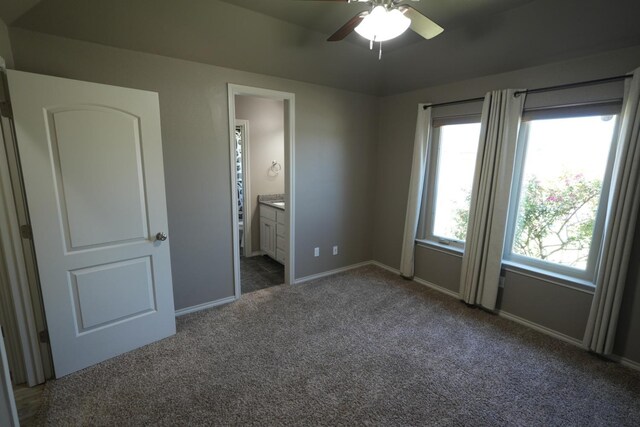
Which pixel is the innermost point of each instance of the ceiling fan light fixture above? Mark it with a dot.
(383, 24)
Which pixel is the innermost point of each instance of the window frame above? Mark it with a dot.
(586, 276)
(431, 180)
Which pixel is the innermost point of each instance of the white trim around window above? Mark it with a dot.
(427, 226)
(582, 277)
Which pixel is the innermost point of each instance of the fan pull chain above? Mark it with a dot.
(370, 44)
(380, 53)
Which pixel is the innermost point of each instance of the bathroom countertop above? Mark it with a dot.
(273, 204)
(273, 200)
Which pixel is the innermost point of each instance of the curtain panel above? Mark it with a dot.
(620, 223)
(421, 149)
(481, 262)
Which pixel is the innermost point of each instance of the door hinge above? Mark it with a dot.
(44, 336)
(26, 232)
(5, 103)
(6, 110)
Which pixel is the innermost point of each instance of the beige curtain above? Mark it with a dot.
(622, 212)
(481, 263)
(421, 150)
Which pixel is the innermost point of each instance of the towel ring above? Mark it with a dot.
(275, 167)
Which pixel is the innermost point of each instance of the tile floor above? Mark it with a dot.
(260, 272)
(28, 401)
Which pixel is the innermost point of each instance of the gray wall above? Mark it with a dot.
(398, 128)
(5, 45)
(438, 266)
(335, 134)
(559, 308)
(266, 142)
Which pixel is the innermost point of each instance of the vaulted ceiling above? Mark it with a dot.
(286, 38)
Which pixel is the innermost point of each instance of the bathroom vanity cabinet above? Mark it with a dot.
(272, 234)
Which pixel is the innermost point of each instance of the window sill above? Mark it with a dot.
(521, 269)
(549, 277)
(451, 250)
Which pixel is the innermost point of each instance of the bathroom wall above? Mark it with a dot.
(266, 144)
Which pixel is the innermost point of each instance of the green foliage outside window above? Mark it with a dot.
(555, 220)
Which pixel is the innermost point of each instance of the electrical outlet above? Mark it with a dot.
(335, 250)
(316, 251)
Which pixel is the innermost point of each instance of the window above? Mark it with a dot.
(563, 168)
(453, 161)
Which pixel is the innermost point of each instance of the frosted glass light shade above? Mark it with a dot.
(382, 24)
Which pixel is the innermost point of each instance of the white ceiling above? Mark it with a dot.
(286, 38)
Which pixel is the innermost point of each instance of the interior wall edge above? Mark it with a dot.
(6, 51)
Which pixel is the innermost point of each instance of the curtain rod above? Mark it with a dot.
(541, 89)
(462, 101)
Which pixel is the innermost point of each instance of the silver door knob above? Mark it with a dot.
(161, 236)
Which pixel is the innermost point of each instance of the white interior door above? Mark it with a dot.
(91, 157)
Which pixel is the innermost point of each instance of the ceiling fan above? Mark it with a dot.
(385, 20)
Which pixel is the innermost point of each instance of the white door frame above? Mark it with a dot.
(8, 411)
(246, 186)
(14, 259)
(289, 167)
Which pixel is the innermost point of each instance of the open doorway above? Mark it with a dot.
(260, 189)
(261, 125)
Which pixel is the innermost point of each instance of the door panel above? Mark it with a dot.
(111, 293)
(91, 157)
(98, 165)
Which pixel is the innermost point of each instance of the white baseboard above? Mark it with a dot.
(419, 281)
(509, 316)
(543, 329)
(204, 306)
(625, 362)
(438, 288)
(231, 299)
(331, 272)
(384, 266)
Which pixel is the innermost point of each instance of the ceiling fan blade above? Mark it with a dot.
(347, 28)
(421, 24)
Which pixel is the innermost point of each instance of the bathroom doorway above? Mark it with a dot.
(262, 182)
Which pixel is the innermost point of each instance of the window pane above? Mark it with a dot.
(457, 149)
(564, 166)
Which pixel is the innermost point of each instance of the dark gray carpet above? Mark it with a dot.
(259, 272)
(360, 348)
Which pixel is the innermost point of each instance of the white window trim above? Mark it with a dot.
(549, 277)
(431, 179)
(583, 277)
(450, 250)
